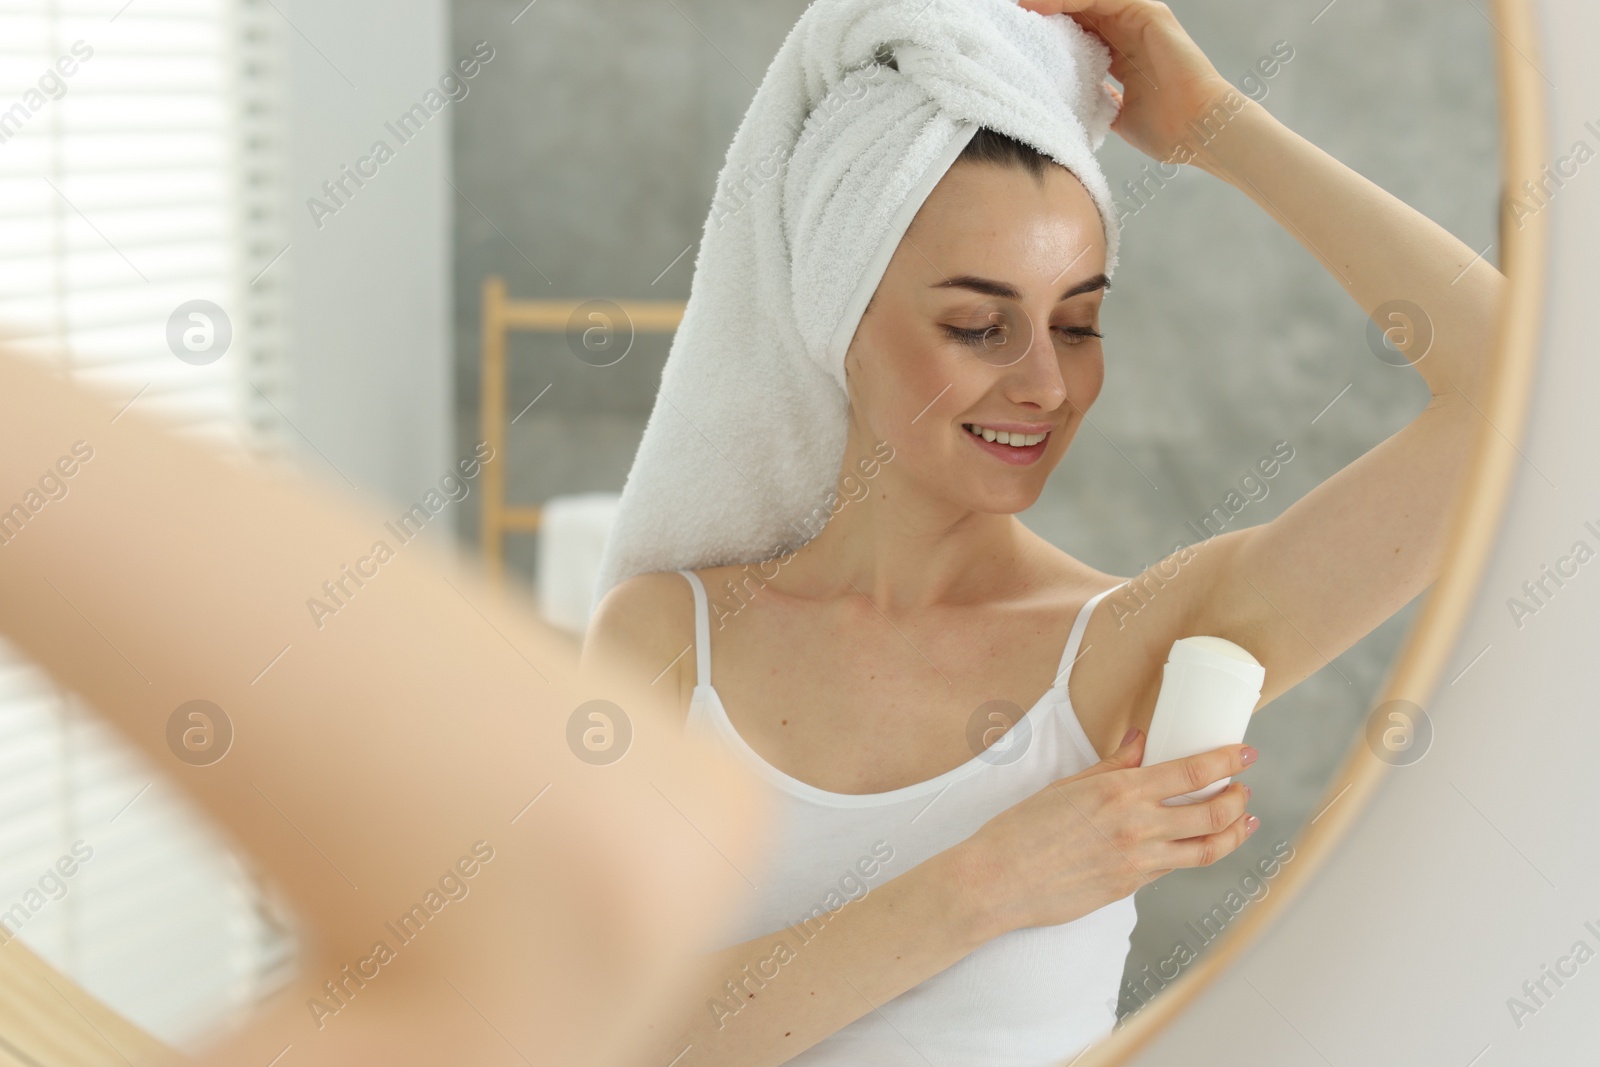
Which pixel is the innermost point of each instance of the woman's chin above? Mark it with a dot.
(1000, 500)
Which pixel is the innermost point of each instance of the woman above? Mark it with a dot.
(855, 677)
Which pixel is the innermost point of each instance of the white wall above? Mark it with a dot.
(368, 344)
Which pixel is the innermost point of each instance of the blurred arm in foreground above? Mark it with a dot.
(377, 757)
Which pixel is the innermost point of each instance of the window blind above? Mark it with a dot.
(141, 156)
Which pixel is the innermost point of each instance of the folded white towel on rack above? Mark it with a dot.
(573, 530)
(864, 108)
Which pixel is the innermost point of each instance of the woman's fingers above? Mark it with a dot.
(1167, 81)
(1128, 15)
(1125, 756)
(1178, 776)
(1183, 821)
(1209, 848)
(1131, 12)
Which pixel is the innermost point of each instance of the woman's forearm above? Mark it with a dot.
(1378, 248)
(768, 999)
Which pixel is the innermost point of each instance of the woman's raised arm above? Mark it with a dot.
(1304, 587)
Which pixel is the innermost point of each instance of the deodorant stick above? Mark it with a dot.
(1209, 687)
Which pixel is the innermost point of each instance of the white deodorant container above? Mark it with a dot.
(1209, 688)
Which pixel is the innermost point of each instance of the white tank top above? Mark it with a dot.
(1033, 997)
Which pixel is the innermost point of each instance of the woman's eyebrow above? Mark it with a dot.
(989, 287)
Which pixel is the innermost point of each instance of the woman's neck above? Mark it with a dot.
(905, 548)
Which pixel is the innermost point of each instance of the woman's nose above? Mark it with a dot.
(1036, 376)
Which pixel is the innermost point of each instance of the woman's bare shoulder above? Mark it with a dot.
(1066, 575)
(641, 629)
(1117, 674)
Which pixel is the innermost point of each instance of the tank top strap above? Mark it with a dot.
(702, 630)
(1075, 637)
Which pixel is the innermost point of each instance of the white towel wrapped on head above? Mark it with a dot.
(834, 157)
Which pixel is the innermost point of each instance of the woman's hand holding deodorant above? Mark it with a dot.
(1087, 840)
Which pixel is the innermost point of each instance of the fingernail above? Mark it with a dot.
(1248, 756)
(1247, 791)
(1250, 824)
(1133, 731)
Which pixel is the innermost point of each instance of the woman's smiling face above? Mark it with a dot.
(987, 316)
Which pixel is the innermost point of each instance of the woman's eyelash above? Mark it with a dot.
(975, 337)
(970, 337)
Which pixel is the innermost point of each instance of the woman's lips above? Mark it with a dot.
(1017, 457)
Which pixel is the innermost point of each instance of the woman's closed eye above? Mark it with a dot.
(993, 334)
